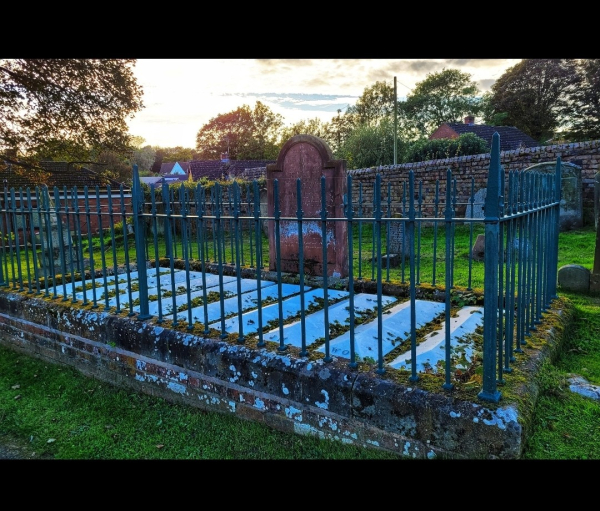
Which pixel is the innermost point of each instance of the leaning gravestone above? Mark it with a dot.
(478, 203)
(308, 158)
(571, 198)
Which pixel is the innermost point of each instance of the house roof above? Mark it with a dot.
(231, 169)
(177, 167)
(511, 138)
(51, 174)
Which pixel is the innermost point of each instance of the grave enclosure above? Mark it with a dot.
(229, 371)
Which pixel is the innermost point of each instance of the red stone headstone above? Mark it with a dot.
(308, 158)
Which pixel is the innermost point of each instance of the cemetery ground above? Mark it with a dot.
(54, 412)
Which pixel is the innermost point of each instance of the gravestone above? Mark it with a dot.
(59, 249)
(398, 244)
(574, 277)
(571, 197)
(478, 203)
(308, 158)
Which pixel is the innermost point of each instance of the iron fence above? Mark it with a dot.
(191, 254)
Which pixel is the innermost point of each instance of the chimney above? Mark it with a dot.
(225, 157)
(469, 119)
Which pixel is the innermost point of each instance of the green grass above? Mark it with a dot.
(56, 412)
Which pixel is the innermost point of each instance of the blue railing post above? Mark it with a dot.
(553, 264)
(490, 294)
(137, 202)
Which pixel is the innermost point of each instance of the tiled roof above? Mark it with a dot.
(511, 138)
(220, 170)
(167, 168)
(59, 174)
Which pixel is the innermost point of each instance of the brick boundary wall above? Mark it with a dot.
(284, 392)
(464, 168)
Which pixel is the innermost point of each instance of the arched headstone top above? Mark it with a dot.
(306, 183)
(319, 144)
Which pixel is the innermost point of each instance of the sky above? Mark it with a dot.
(180, 96)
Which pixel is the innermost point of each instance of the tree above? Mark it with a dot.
(309, 127)
(375, 104)
(370, 146)
(70, 109)
(144, 158)
(243, 133)
(535, 95)
(584, 118)
(442, 97)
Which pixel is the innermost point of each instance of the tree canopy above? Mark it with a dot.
(71, 109)
(442, 97)
(244, 134)
(584, 119)
(535, 96)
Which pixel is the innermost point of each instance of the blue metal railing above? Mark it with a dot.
(164, 254)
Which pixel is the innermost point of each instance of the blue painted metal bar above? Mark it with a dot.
(404, 233)
(378, 213)
(349, 216)
(387, 232)
(137, 202)
(555, 226)
(40, 218)
(277, 217)
(453, 230)
(5, 233)
(259, 263)
(26, 218)
(299, 216)
(113, 246)
(200, 211)
(448, 214)
(328, 357)
(144, 305)
(61, 243)
(510, 272)
(218, 233)
(79, 244)
(489, 391)
(470, 215)
(413, 294)
(360, 229)
(126, 247)
(418, 227)
(69, 247)
(501, 297)
(49, 237)
(436, 205)
(236, 235)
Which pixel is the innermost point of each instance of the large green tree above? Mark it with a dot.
(244, 133)
(374, 105)
(584, 119)
(70, 109)
(446, 96)
(535, 95)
